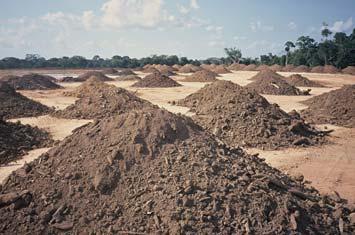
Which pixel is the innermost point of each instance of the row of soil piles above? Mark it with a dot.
(85, 76)
(31, 82)
(150, 171)
(189, 68)
(241, 117)
(156, 79)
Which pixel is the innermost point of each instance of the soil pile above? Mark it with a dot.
(110, 71)
(126, 72)
(262, 67)
(189, 68)
(330, 69)
(220, 69)
(16, 139)
(271, 83)
(301, 69)
(100, 76)
(236, 67)
(288, 68)
(176, 67)
(15, 105)
(153, 172)
(317, 69)
(335, 107)
(208, 66)
(240, 117)
(201, 76)
(128, 78)
(276, 68)
(349, 70)
(32, 81)
(300, 81)
(156, 80)
(250, 67)
(166, 70)
(150, 70)
(68, 79)
(99, 100)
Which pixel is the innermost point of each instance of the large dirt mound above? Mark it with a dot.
(349, 70)
(153, 172)
(201, 76)
(126, 72)
(276, 68)
(220, 69)
(300, 81)
(288, 68)
(241, 117)
(250, 67)
(330, 69)
(335, 107)
(15, 105)
(128, 78)
(150, 70)
(109, 71)
(236, 67)
(317, 69)
(16, 139)
(99, 100)
(262, 67)
(271, 83)
(176, 67)
(156, 80)
(301, 69)
(189, 68)
(32, 81)
(89, 74)
(165, 70)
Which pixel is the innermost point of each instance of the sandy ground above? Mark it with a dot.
(329, 167)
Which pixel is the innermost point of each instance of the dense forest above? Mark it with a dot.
(334, 49)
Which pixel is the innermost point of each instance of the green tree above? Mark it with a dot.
(325, 31)
(288, 46)
(233, 54)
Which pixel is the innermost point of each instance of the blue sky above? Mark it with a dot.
(137, 28)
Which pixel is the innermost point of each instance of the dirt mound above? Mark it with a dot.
(317, 69)
(330, 69)
(126, 72)
(335, 107)
(150, 70)
(99, 100)
(271, 83)
(156, 80)
(301, 69)
(15, 105)
(240, 117)
(96, 74)
(110, 71)
(176, 67)
(32, 81)
(288, 68)
(16, 139)
(68, 79)
(208, 66)
(189, 68)
(150, 172)
(220, 69)
(201, 76)
(349, 70)
(250, 67)
(236, 67)
(262, 67)
(128, 78)
(276, 68)
(300, 81)
(165, 70)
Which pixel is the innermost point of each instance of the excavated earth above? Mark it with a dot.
(128, 78)
(89, 74)
(335, 107)
(156, 80)
(154, 172)
(15, 105)
(220, 69)
(201, 76)
(16, 139)
(32, 81)
(349, 70)
(189, 68)
(300, 81)
(109, 71)
(241, 117)
(271, 83)
(301, 69)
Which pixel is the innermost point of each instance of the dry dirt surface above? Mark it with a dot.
(14, 105)
(335, 107)
(298, 80)
(31, 82)
(156, 80)
(201, 76)
(151, 171)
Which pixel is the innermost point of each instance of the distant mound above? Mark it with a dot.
(271, 83)
(236, 67)
(189, 68)
(335, 107)
(126, 72)
(32, 81)
(68, 79)
(166, 70)
(300, 81)
(201, 76)
(15, 105)
(16, 139)
(349, 70)
(301, 69)
(128, 78)
(262, 67)
(110, 71)
(250, 67)
(100, 76)
(220, 69)
(176, 67)
(150, 70)
(156, 80)
(288, 68)
(276, 68)
(241, 117)
(330, 69)
(317, 69)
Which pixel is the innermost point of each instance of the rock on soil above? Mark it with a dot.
(201, 76)
(15, 105)
(99, 100)
(32, 81)
(349, 70)
(271, 83)
(16, 139)
(220, 69)
(99, 75)
(300, 81)
(156, 80)
(128, 78)
(250, 67)
(154, 172)
(336, 107)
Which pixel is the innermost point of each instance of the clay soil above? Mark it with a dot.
(298, 80)
(201, 76)
(156, 80)
(31, 81)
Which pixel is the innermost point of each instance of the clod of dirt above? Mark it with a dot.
(15, 105)
(317, 69)
(16, 139)
(99, 100)
(335, 107)
(300, 81)
(220, 69)
(109, 71)
(250, 67)
(126, 72)
(156, 80)
(128, 78)
(236, 67)
(241, 117)
(271, 83)
(301, 69)
(32, 81)
(189, 68)
(99, 75)
(201, 76)
(330, 69)
(349, 70)
(151, 171)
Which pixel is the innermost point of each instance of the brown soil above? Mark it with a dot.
(240, 117)
(89, 74)
(68, 79)
(271, 83)
(156, 80)
(262, 67)
(166, 70)
(276, 68)
(16, 139)
(330, 69)
(208, 66)
(288, 68)
(128, 78)
(110, 71)
(15, 105)
(335, 107)
(317, 69)
(250, 67)
(301, 69)
(149, 172)
(300, 81)
(189, 68)
(236, 67)
(201, 76)
(150, 70)
(31, 81)
(98, 100)
(220, 69)
(349, 70)
(126, 72)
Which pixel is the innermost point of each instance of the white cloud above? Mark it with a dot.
(88, 19)
(292, 25)
(194, 4)
(187, 9)
(216, 43)
(183, 10)
(342, 26)
(239, 38)
(259, 26)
